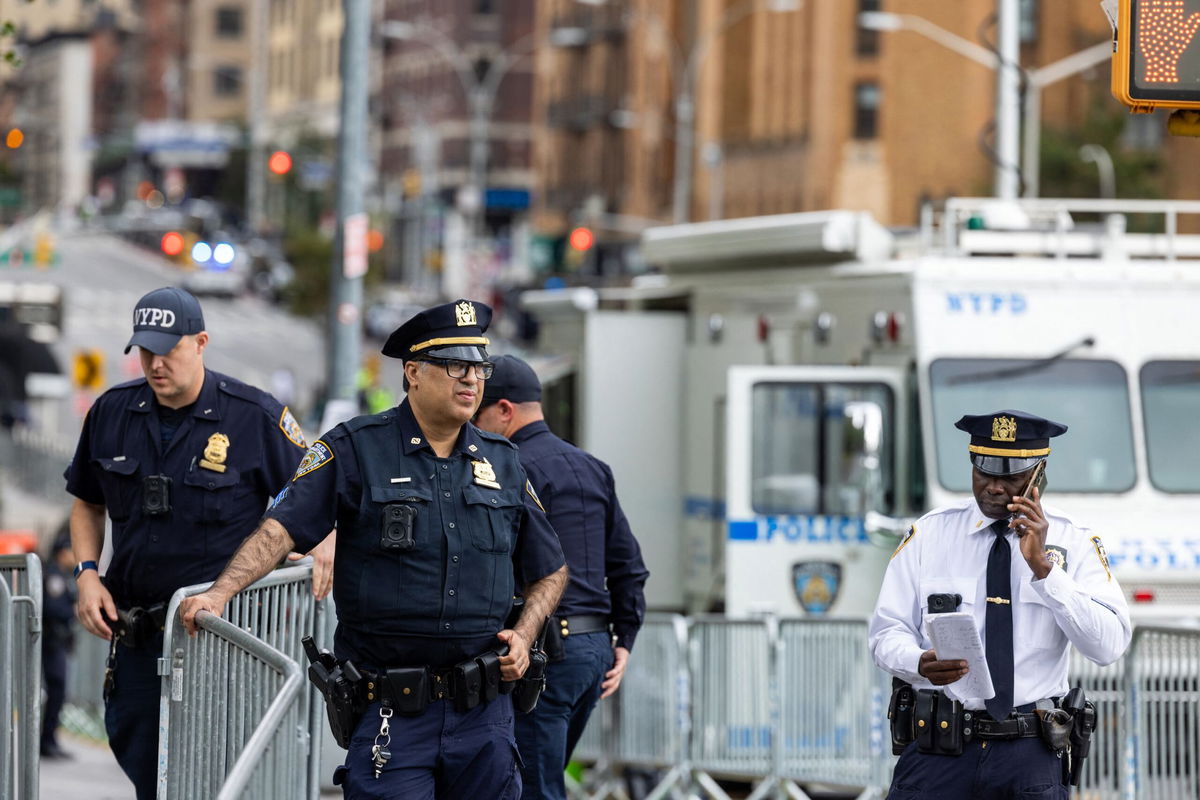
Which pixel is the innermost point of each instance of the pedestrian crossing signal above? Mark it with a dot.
(1153, 63)
(88, 370)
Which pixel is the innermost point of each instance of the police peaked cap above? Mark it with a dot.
(1008, 442)
(451, 330)
(512, 380)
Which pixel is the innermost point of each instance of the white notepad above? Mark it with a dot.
(954, 638)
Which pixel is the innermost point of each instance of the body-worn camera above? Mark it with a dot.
(397, 533)
(156, 495)
(944, 603)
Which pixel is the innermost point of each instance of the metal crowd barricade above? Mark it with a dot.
(1164, 712)
(1103, 772)
(832, 705)
(732, 702)
(235, 707)
(20, 675)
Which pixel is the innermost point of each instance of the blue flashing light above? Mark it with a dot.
(223, 254)
(202, 252)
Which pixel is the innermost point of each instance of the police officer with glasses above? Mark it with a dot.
(437, 526)
(1034, 582)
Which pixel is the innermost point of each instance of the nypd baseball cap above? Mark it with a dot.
(512, 380)
(163, 317)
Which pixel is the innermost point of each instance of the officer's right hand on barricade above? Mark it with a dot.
(95, 605)
(210, 601)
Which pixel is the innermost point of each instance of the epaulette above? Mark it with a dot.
(235, 388)
(947, 509)
(367, 420)
(128, 384)
(494, 437)
(1059, 514)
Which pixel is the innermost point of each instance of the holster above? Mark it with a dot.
(900, 713)
(530, 686)
(338, 682)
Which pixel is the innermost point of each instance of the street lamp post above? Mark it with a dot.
(481, 97)
(1008, 118)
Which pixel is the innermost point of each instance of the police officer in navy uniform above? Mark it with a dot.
(58, 638)
(601, 611)
(184, 462)
(1035, 582)
(437, 527)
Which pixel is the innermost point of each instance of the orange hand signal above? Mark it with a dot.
(1163, 34)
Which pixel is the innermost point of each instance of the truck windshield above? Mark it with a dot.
(1171, 407)
(1090, 396)
(822, 448)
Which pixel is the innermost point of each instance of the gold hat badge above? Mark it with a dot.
(464, 313)
(215, 452)
(1004, 429)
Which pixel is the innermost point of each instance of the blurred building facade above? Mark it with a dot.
(796, 108)
(454, 109)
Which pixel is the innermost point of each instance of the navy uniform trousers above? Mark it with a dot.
(547, 735)
(131, 715)
(986, 770)
(443, 754)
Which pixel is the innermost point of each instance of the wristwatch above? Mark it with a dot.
(82, 565)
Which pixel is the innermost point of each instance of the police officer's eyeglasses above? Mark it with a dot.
(458, 369)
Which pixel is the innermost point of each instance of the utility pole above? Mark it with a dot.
(1008, 106)
(256, 179)
(349, 245)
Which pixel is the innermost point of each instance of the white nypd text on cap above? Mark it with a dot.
(154, 317)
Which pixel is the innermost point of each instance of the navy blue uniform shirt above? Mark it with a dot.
(478, 532)
(580, 497)
(212, 511)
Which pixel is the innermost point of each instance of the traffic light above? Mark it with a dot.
(1153, 65)
(172, 244)
(14, 138)
(581, 239)
(88, 369)
(280, 163)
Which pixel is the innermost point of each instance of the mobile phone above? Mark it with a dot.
(1038, 479)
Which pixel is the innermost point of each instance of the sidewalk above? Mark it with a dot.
(92, 773)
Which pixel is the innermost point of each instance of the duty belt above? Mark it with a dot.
(580, 623)
(409, 690)
(1017, 726)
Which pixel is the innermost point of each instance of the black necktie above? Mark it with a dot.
(998, 623)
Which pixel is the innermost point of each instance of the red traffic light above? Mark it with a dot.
(172, 243)
(280, 162)
(581, 239)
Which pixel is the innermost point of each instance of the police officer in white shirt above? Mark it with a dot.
(1035, 582)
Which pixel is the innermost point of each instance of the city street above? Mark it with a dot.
(102, 278)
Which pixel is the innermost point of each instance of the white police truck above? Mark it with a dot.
(777, 400)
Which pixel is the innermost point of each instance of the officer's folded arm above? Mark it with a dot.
(256, 556)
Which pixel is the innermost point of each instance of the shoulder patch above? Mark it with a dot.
(912, 531)
(319, 454)
(529, 490)
(291, 428)
(1102, 554)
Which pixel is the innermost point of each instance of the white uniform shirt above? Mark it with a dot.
(946, 551)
